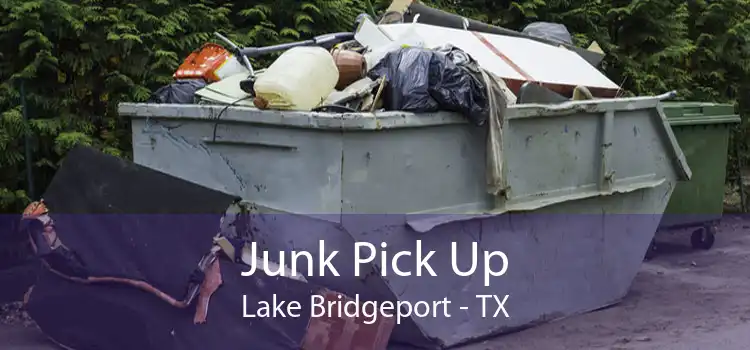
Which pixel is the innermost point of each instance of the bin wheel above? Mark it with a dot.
(703, 238)
(652, 250)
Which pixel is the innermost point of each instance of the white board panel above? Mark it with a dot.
(542, 62)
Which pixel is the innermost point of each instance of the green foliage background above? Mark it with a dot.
(78, 59)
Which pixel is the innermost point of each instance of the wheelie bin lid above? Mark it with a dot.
(699, 113)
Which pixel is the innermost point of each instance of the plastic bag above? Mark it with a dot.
(459, 57)
(178, 92)
(420, 80)
(550, 31)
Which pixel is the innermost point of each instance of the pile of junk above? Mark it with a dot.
(397, 66)
(419, 130)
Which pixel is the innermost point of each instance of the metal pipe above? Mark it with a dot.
(321, 40)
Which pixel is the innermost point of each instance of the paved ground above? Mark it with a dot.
(681, 300)
(19, 338)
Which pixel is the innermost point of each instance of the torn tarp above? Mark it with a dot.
(448, 78)
(550, 31)
(118, 220)
(497, 97)
(499, 100)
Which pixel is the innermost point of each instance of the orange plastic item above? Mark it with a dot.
(209, 63)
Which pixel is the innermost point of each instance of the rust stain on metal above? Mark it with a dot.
(210, 284)
(341, 332)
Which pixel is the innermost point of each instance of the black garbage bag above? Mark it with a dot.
(178, 92)
(420, 80)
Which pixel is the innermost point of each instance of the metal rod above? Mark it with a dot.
(226, 40)
(27, 143)
(238, 52)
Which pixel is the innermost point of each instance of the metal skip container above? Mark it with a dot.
(585, 186)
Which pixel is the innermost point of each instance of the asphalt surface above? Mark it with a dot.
(681, 300)
(21, 338)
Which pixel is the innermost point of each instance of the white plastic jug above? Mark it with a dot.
(300, 79)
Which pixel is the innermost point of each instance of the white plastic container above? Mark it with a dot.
(300, 79)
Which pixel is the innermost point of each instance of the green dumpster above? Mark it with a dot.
(702, 131)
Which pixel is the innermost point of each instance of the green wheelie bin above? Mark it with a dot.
(702, 130)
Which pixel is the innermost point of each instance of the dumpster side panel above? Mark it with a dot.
(641, 147)
(435, 169)
(296, 171)
(547, 160)
(567, 151)
(566, 258)
(157, 148)
(559, 265)
(585, 154)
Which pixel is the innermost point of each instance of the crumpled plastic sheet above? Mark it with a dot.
(550, 31)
